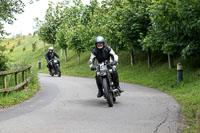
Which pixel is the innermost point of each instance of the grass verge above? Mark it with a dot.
(15, 97)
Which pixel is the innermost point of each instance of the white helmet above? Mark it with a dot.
(50, 48)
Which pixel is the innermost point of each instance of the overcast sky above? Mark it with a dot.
(25, 21)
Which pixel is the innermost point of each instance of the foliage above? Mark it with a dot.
(3, 60)
(8, 8)
(175, 27)
(48, 29)
(16, 97)
(61, 39)
(34, 45)
(12, 49)
(76, 38)
(24, 48)
(19, 42)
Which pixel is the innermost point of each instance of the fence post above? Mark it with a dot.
(4, 81)
(16, 79)
(23, 79)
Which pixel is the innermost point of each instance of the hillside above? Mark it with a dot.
(158, 76)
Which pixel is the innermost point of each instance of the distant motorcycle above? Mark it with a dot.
(54, 68)
(110, 92)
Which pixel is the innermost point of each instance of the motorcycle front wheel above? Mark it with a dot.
(52, 72)
(59, 72)
(114, 99)
(107, 93)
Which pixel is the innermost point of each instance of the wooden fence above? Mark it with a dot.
(24, 83)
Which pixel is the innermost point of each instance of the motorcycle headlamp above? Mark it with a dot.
(103, 71)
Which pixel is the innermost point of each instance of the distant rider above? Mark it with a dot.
(103, 52)
(50, 55)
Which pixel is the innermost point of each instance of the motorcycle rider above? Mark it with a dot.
(49, 56)
(103, 52)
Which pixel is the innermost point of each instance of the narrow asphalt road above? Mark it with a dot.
(69, 105)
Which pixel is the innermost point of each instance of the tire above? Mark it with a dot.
(59, 72)
(108, 95)
(114, 99)
(51, 73)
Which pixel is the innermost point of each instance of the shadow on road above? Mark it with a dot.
(101, 103)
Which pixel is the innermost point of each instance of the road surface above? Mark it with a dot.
(69, 105)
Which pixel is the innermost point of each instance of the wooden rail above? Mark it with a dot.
(16, 72)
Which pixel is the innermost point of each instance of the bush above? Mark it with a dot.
(24, 48)
(33, 46)
(19, 42)
(12, 49)
(3, 61)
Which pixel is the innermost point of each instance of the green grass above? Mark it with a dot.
(19, 57)
(158, 76)
(15, 97)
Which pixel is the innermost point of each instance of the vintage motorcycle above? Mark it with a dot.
(55, 68)
(104, 70)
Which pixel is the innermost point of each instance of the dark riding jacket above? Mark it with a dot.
(102, 55)
(50, 56)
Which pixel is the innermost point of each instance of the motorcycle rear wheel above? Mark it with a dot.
(107, 93)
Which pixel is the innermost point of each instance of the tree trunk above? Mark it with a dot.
(132, 58)
(79, 58)
(169, 61)
(65, 54)
(149, 57)
(43, 46)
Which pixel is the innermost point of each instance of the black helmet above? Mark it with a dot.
(99, 39)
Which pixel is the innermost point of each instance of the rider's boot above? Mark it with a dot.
(120, 89)
(49, 69)
(116, 80)
(99, 85)
(100, 93)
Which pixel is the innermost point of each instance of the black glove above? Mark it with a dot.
(114, 63)
(93, 68)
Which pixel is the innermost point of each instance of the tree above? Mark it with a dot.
(189, 27)
(135, 22)
(61, 40)
(8, 8)
(47, 29)
(76, 38)
(76, 35)
(126, 24)
(164, 33)
(64, 13)
(175, 28)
